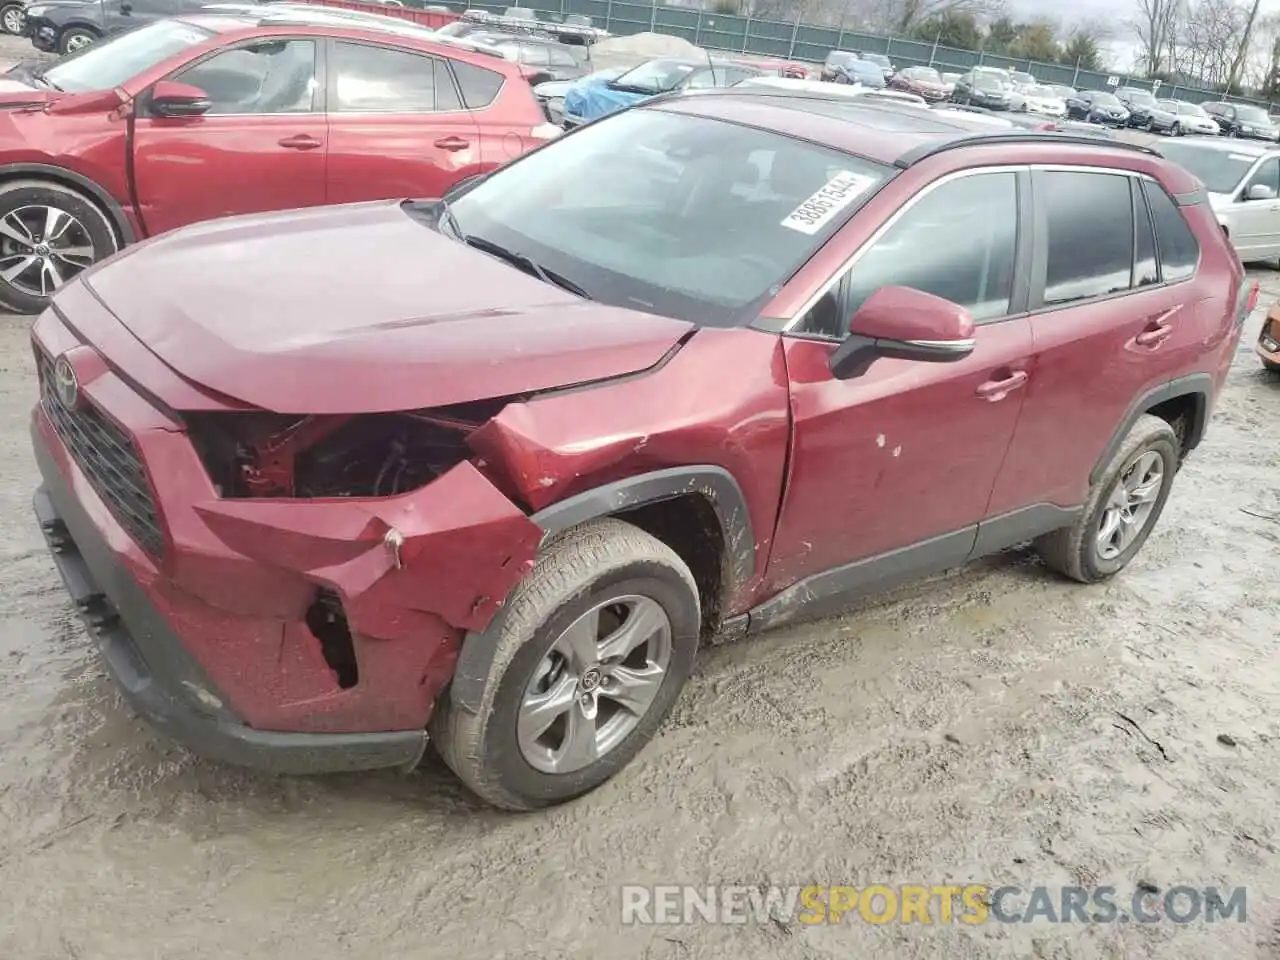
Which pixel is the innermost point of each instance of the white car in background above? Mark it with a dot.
(1242, 179)
(1038, 98)
(1192, 119)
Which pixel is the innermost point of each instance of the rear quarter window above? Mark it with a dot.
(1179, 252)
(479, 86)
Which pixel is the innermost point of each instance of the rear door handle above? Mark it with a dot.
(1154, 336)
(453, 143)
(994, 390)
(300, 142)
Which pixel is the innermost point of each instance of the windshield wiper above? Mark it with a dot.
(528, 264)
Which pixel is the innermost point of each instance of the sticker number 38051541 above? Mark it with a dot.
(821, 208)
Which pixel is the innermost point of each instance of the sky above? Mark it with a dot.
(1122, 49)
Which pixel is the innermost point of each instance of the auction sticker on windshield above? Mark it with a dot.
(821, 208)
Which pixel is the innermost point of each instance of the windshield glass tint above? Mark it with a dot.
(109, 63)
(985, 81)
(1141, 98)
(1046, 92)
(656, 76)
(1252, 115)
(1219, 170)
(924, 75)
(691, 218)
(1191, 109)
(1106, 100)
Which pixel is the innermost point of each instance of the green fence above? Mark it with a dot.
(800, 41)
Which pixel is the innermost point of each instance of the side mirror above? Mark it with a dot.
(904, 323)
(1260, 191)
(172, 99)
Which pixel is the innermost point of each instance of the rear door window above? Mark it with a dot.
(1145, 270)
(1179, 251)
(1089, 220)
(369, 79)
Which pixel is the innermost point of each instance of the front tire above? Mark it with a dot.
(1176, 130)
(76, 38)
(1122, 508)
(591, 652)
(48, 234)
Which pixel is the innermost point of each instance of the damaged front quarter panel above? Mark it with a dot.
(453, 548)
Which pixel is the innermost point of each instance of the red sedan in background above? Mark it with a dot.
(219, 114)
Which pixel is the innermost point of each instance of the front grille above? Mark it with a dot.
(108, 457)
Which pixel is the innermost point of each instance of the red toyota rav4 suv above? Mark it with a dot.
(328, 481)
(210, 115)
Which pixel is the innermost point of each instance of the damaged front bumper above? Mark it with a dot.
(210, 627)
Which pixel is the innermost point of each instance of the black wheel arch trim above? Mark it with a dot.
(109, 204)
(714, 484)
(1198, 386)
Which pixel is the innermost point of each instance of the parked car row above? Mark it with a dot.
(251, 474)
(239, 113)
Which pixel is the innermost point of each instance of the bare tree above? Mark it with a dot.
(1156, 26)
(1209, 40)
(1237, 65)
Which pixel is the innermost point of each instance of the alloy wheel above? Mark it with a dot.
(1130, 505)
(595, 684)
(76, 41)
(12, 21)
(41, 248)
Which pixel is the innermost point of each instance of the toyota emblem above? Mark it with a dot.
(65, 385)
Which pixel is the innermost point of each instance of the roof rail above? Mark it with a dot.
(926, 150)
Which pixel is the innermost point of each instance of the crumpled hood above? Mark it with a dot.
(362, 309)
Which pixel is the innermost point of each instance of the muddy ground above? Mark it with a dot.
(996, 725)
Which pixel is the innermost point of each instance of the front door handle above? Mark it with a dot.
(453, 143)
(300, 142)
(994, 390)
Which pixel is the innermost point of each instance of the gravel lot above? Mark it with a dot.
(995, 725)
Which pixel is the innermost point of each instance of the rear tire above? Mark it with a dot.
(600, 574)
(1176, 129)
(1083, 551)
(76, 38)
(82, 235)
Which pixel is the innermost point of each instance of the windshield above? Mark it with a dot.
(985, 81)
(1106, 100)
(879, 59)
(1140, 97)
(109, 63)
(656, 76)
(1041, 92)
(1252, 114)
(697, 219)
(1170, 105)
(838, 59)
(1191, 110)
(1023, 78)
(865, 66)
(1219, 170)
(1065, 92)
